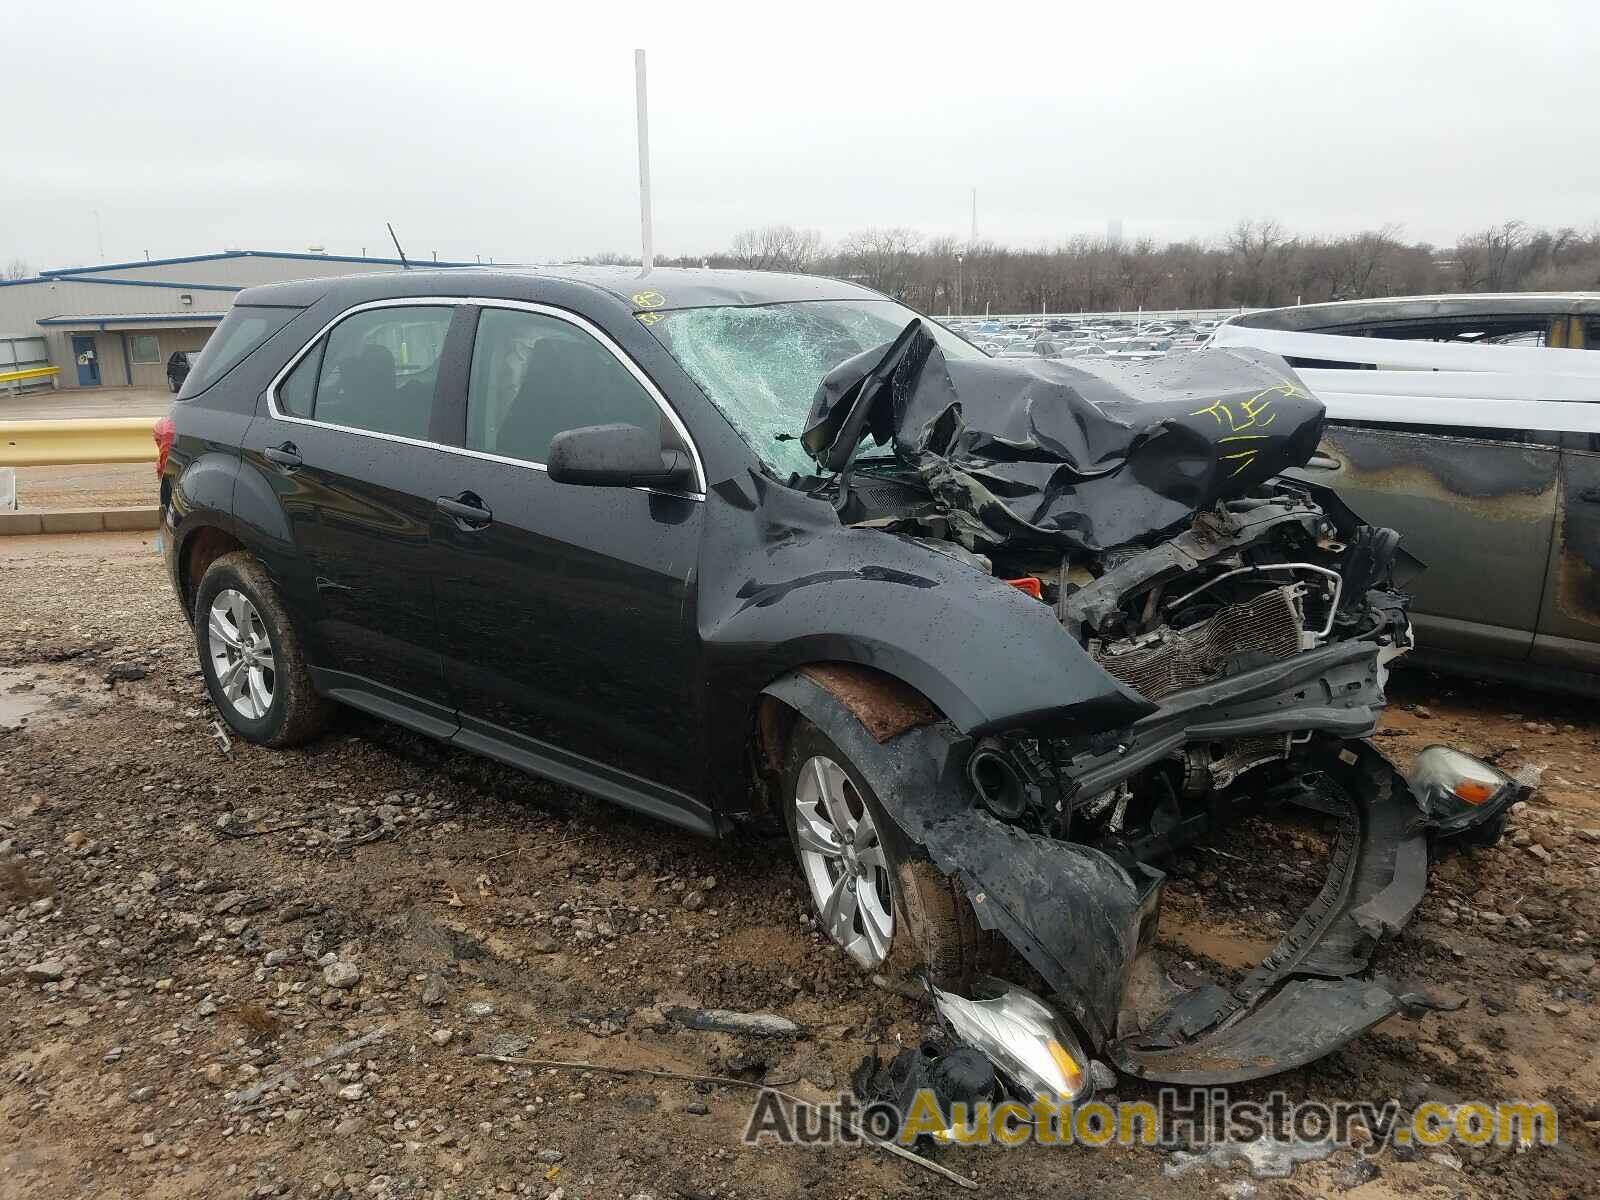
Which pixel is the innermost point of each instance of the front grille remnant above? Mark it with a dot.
(1173, 660)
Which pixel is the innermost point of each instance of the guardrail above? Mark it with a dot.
(28, 373)
(77, 442)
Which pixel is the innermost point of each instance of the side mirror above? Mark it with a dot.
(617, 456)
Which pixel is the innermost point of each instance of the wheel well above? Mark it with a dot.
(885, 705)
(202, 549)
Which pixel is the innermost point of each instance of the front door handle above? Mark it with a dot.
(468, 511)
(286, 456)
(1590, 495)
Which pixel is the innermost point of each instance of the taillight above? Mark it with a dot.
(164, 431)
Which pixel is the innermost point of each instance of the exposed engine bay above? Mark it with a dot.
(1253, 583)
(1252, 617)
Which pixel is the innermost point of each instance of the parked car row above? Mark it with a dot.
(1063, 338)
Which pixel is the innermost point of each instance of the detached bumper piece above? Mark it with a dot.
(1086, 922)
(1307, 998)
(1087, 925)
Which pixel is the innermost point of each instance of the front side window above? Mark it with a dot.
(534, 376)
(144, 348)
(377, 372)
(761, 365)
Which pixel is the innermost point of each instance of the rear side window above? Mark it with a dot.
(375, 371)
(242, 330)
(534, 376)
(297, 393)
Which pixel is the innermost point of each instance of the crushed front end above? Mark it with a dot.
(1256, 618)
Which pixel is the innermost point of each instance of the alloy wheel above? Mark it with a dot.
(842, 857)
(241, 654)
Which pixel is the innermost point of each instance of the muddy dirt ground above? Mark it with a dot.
(167, 902)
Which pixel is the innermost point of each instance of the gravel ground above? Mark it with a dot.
(183, 918)
(119, 485)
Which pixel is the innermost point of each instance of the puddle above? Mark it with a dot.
(1267, 1158)
(40, 696)
(1235, 951)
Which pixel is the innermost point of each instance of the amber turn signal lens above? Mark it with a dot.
(1474, 791)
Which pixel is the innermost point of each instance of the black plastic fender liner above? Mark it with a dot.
(1074, 913)
(1084, 922)
(1300, 1023)
(1307, 998)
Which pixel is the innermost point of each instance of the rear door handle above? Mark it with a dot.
(286, 456)
(1590, 495)
(468, 511)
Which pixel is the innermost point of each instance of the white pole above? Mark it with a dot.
(644, 162)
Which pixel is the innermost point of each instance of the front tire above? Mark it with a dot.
(876, 894)
(251, 658)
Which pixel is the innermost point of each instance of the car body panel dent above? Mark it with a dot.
(984, 654)
(1441, 491)
(1569, 620)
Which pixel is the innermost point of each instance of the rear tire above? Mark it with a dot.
(931, 927)
(251, 658)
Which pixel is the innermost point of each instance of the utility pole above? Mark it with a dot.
(648, 255)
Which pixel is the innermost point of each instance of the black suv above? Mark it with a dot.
(179, 363)
(990, 639)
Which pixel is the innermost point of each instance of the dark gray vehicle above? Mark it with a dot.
(989, 640)
(1506, 517)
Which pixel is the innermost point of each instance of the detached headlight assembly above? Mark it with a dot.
(1458, 792)
(1024, 1039)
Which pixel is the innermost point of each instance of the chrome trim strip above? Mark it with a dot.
(571, 318)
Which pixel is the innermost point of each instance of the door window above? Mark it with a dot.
(297, 393)
(377, 372)
(534, 376)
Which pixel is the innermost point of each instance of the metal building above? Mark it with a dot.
(117, 324)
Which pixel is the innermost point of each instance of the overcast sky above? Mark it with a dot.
(508, 131)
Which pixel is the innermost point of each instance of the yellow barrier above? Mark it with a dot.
(76, 443)
(30, 373)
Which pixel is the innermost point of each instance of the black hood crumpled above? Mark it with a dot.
(1046, 453)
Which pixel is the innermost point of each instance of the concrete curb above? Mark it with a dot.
(81, 520)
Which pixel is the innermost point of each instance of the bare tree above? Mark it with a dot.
(1486, 258)
(777, 248)
(1257, 263)
(1261, 250)
(882, 258)
(17, 268)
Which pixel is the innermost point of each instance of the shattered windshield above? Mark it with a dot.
(761, 365)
